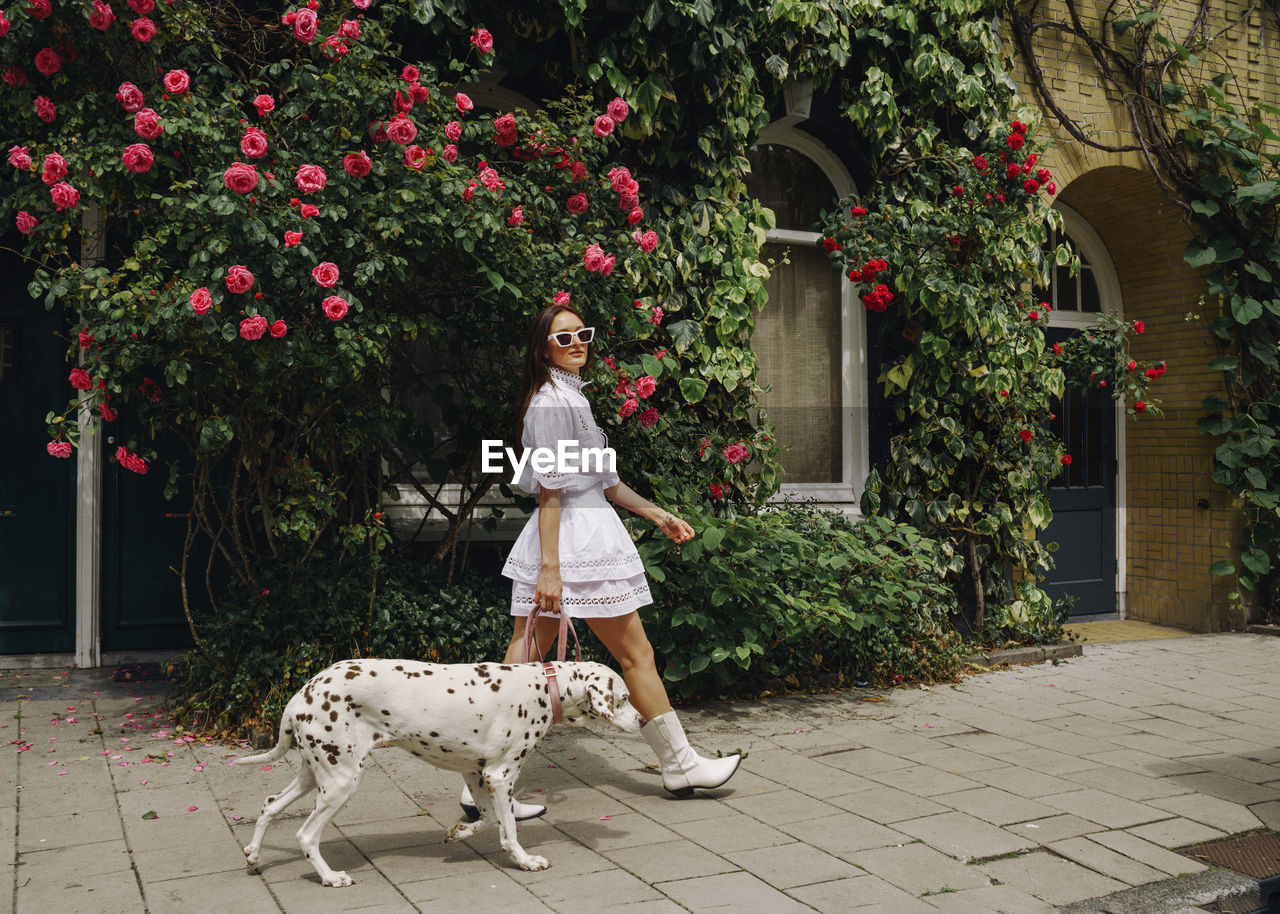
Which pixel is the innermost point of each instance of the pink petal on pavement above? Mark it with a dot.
(192, 808)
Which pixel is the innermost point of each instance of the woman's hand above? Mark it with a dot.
(674, 527)
(548, 589)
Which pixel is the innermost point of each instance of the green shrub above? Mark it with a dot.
(802, 596)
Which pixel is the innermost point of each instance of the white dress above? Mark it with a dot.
(601, 572)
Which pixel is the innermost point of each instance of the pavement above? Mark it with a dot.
(1065, 786)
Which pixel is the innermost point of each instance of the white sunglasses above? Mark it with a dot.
(565, 338)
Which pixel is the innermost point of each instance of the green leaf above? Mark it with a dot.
(1263, 190)
(1258, 270)
(1257, 561)
(683, 333)
(1199, 255)
(1222, 568)
(712, 538)
(1245, 310)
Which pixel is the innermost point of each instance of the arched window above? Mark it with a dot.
(1078, 299)
(808, 339)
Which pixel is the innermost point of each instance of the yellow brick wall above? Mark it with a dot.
(1170, 540)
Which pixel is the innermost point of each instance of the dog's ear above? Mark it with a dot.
(601, 697)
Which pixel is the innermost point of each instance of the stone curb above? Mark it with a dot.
(1024, 655)
(1265, 629)
(1181, 893)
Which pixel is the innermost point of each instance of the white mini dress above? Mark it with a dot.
(601, 572)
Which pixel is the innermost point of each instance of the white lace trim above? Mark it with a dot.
(606, 562)
(605, 603)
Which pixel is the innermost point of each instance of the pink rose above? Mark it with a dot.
(349, 29)
(307, 210)
(239, 279)
(131, 461)
(310, 178)
(603, 126)
(279, 329)
(419, 93)
(453, 131)
(254, 143)
(14, 76)
(59, 449)
(335, 307)
(516, 217)
(618, 110)
(265, 104)
(401, 130)
(325, 274)
(26, 222)
(606, 265)
(579, 171)
(48, 61)
(201, 301)
(402, 102)
(252, 328)
(656, 317)
(628, 202)
(305, 24)
(649, 418)
(415, 157)
(40, 9)
(64, 196)
(410, 74)
(146, 123)
(142, 7)
(240, 177)
(130, 97)
(636, 216)
(619, 180)
(646, 386)
(483, 41)
(647, 240)
(4, 24)
(736, 453)
(143, 29)
(292, 238)
(378, 132)
(138, 158)
(463, 103)
(562, 298)
(577, 204)
(55, 169)
(80, 379)
(593, 258)
(45, 109)
(176, 82)
(629, 406)
(469, 191)
(19, 158)
(451, 153)
(101, 17)
(362, 4)
(357, 164)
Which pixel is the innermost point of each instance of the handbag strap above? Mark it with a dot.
(548, 669)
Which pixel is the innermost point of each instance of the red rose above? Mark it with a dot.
(646, 386)
(239, 279)
(45, 109)
(1132, 364)
(130, 97)
(603, 126)
(264, 104)
(138, 158)
(325, 274)
(656, 318)
(577, 204)
(14, 77)
(240, 178)
(629, 406)
(176, 82)
(1034, 315)
(1139, 326)
(292, 238)
(279, 329)
(648, 241)
(305, 24)
(349, 29)
(307, 210)
(48, 62)
(1057, 349)
(410, 74)
(1025, 434)
(463, 103)
(483, 41)
(649, 418)
(131, 461)
(40, 9)
(146, 123)
(1017, 127)
(618, 110)
(64, 196)
(26, 222)
(1066, 460)
(252, 328)
(980, 163)
(357, 164)
(59, 448)
(957, 191)
(143, 29)
(335, 307)
(736, 453)
(620, 179)
(857, 211)
(401, 130)
(1031, 185)
(1139, 406)
(142, 7)
(201, 301)
(1051, 188)
(55, 169)
(19, 158)
(636, 216)
(310, 178)
(716, 491)
(516, 217)
(80, 379)
(415, 157)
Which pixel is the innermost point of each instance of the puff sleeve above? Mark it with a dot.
(550, 420)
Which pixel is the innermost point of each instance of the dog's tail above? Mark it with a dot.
(283, 744)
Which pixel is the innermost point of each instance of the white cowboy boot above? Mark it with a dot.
(682, 768)
(523, 810)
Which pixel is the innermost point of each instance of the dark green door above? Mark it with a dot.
(37, 491)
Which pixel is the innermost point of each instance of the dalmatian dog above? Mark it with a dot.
(482, 721)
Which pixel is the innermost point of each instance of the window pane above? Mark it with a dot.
(8, 354)
(790, 184)
(1090, 298)
(1064, 288)
(798, 343)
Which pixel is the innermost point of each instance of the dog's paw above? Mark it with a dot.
(338, 880)
(251, 859)
(534, 863)
(460, 829)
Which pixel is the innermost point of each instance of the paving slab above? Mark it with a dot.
(963, 837)
(730, 892)
(866, 894)
(790, 865)
(1052, 879)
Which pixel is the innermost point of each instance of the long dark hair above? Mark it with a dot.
(537, 368)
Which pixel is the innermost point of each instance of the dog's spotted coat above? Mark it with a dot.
(481, 720)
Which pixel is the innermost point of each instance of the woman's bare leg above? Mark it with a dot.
(624, 638)
(547, 630)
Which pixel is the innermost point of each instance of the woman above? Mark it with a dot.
(574, 554)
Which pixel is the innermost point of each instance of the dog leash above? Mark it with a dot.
(548, 669)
